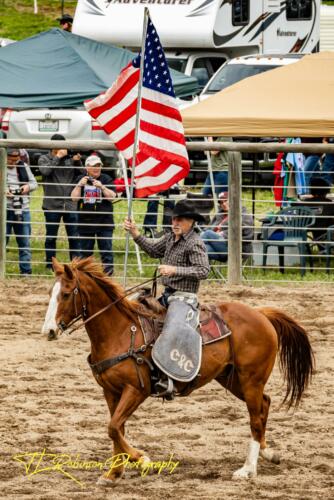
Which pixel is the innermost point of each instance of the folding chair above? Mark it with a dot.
(295, 222)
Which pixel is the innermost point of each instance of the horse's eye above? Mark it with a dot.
(66, 295)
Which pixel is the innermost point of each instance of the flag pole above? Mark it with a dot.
(127, 190)
(135, 144)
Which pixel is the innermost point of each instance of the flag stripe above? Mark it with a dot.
(120, 119)
(158, 132)
(115, 94)
(163, 145)
(161, 109)
(156, 119)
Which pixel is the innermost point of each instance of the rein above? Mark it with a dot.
(63, 327)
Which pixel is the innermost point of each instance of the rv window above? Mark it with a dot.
(240, 12)
(298, 9)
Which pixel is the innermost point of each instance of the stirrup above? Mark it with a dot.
(165, 388)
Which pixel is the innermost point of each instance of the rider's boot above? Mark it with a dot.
(165, 387)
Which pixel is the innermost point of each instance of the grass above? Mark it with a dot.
(264, 204)
(18, 21)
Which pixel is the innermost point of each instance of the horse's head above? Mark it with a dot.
(67, 300)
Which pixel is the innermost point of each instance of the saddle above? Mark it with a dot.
(212, 326)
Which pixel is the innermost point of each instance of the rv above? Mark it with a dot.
(327, 27)
(199, 35)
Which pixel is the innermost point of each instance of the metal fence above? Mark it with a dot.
(286, 238)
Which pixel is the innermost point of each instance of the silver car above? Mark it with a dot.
(42, 123)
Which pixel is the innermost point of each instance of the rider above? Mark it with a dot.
(184, 264)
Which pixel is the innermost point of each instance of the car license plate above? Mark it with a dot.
(48, 125)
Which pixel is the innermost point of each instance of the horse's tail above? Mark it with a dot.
(296, 356)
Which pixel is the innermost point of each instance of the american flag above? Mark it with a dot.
(161, 158)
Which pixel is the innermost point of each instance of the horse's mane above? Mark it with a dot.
(93, 269)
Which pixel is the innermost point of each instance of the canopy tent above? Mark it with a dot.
(57, 69)
(291, 101)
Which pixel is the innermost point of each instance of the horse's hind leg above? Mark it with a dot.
(258, 406)
(266, 452)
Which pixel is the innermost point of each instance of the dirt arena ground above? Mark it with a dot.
(50, 401)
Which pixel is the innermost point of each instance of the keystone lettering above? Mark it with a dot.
(286, 33)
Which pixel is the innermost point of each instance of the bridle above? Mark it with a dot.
(83, 314)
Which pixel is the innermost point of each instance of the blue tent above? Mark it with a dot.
(57, 69)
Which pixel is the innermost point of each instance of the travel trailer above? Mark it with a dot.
(199, 35)
(327, 27)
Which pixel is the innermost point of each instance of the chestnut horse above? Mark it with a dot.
(241, 363)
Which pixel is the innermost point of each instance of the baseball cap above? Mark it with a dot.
(223, 195)
(13, 152)
(65, 18)
(93, 160)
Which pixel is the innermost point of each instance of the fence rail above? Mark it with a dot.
(236, 266)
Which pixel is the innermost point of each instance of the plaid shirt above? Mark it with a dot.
(188, 254)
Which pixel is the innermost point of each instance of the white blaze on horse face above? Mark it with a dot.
(50, 317)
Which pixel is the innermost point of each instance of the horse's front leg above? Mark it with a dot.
(120, 410)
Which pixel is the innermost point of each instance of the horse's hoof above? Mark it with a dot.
(145, 462)
(270, 455)
(107, 483)
(243, 473)
(276, 459)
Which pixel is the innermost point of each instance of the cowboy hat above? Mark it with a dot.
(186, 209)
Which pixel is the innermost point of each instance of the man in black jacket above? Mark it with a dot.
(59, 170)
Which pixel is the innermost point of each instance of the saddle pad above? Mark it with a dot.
(213, 330)
(212, 325)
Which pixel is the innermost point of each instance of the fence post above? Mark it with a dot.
(234, 219)
(3, 211)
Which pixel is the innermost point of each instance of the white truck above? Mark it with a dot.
(199, 35)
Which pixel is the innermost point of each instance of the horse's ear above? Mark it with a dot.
(68, 271)
(57, 267)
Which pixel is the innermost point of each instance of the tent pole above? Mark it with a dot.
(3, 211)
(212, 181)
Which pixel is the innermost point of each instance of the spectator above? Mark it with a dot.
(324, 214)
(219, 162)
(94, 194)
(151, 217)
(20, 183)
(216, 239)
(328, 165)
(312, 160)
(59, 170)
(66, 22)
